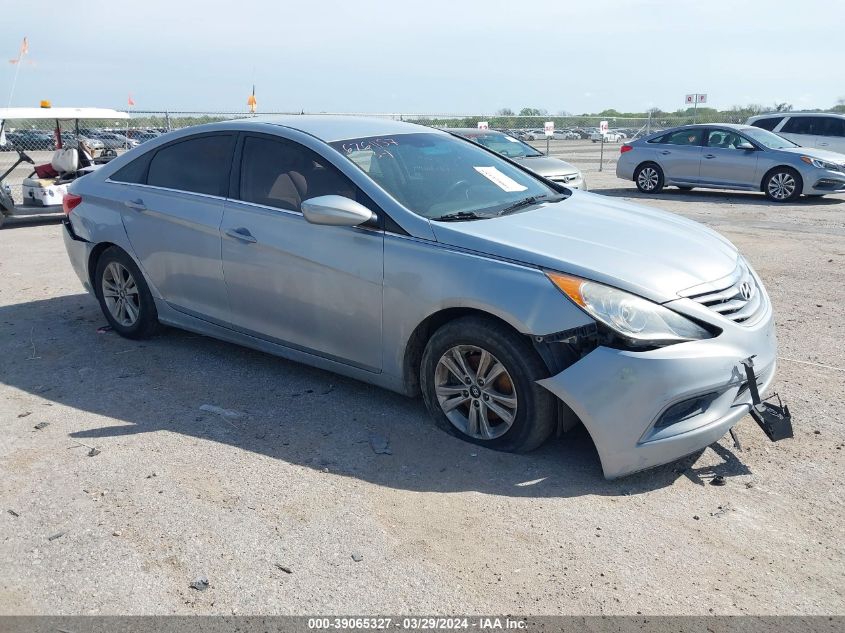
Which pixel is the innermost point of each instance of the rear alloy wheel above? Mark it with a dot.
(649, 178)
(124, 296)
(782, 185)
(478, 380)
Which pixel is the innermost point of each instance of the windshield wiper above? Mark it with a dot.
(525, 202)
(461, 216)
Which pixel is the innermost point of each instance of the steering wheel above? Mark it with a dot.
(25, 157)
(461, 183)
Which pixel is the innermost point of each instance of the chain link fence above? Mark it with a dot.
(37, 140)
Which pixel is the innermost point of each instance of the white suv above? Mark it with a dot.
(825, 130)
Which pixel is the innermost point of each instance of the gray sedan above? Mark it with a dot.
(546, 166)
(724, 156)
(412, 259)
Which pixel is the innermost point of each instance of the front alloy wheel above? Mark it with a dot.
(479, 381)
(783, 186)
(476, 392)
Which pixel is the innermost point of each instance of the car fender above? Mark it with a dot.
(420, 281)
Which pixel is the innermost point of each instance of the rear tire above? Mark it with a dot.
(649, 178)
(124, 296)
(782, 184)
(501, 406)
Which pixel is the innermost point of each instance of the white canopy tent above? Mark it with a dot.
(61, 114)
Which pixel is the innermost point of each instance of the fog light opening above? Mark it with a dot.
(685, 410)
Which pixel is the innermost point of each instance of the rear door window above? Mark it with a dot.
(682, 137)
(803, 125)
(197, 165)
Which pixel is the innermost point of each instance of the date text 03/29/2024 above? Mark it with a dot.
(482, 623)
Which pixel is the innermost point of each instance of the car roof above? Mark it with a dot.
(731, 126)
(330, 128)
(796, 114)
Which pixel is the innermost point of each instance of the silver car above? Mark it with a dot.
(412, 259)
(546, 166)
(725, 156)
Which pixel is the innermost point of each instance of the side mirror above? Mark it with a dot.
(748, 147)
(335, 211)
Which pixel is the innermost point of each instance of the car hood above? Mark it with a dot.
(547, 166)
(812, 152)
(645, 251)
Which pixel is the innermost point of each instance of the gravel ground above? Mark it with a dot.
(288, 509)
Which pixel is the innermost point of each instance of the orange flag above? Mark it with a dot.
(251, 102)
(130, 100)
(23, 51)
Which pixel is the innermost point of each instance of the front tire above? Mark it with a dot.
(782, 184)
(124, 296)
(649, 178)
(478, 379)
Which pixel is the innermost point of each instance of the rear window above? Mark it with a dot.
(135, 172)
(769, 123)
(198, 165)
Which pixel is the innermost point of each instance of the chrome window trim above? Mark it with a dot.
(170, 189)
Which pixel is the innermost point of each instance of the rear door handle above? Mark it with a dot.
(710, 156)
(824, 144)
(241, 233)
(665, 151)
(136, 205)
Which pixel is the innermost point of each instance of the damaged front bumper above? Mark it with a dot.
(643, 409)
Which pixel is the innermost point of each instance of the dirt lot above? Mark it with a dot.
(272, 506)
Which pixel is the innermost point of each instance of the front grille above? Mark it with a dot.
(738, 297)
(564, 179)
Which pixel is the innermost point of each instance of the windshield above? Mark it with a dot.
(505, 145)
(438, 174)
(768, 139)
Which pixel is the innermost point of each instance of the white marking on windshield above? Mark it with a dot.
(504, 182)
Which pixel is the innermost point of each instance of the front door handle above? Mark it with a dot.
(665, 151)
(823, 144)
(241, 233)
(710, 156)
(136, 205)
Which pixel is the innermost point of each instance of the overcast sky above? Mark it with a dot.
(454, 56)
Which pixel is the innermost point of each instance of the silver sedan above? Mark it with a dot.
(725, 156)
(414, 260)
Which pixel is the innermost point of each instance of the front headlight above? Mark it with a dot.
(641, 322)
(821, 164)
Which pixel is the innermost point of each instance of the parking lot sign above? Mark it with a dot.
(483, 125)
(693, 100)
(549, 128)
(603, 127)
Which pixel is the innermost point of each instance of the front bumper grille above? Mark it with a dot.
(737, 297)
